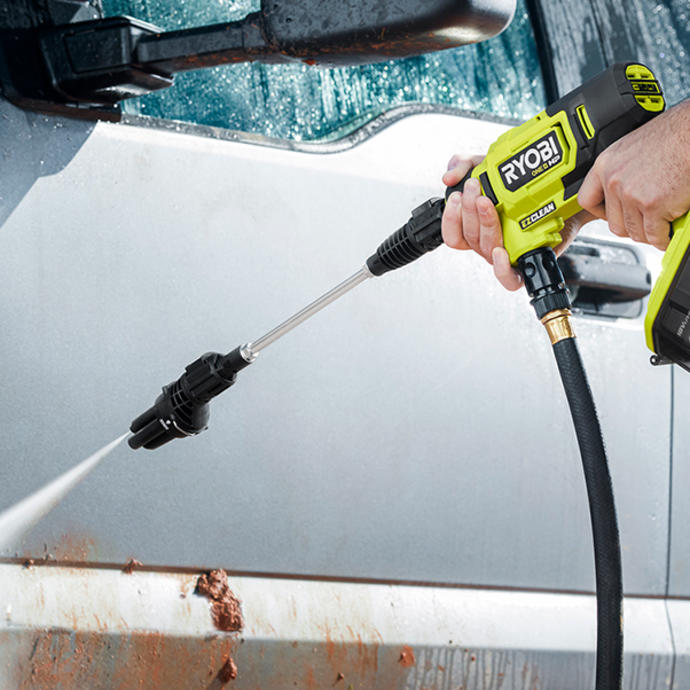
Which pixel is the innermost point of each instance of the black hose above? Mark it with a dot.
(607, 552)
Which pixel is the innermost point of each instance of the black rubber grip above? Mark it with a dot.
(421, 234)
(602, 509)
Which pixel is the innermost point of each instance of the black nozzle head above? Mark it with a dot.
(544, 281)
(182, 408)
(173, 415)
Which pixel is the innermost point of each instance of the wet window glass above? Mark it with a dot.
(301, 102)
(655, 33)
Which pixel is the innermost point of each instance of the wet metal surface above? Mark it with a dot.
(358, 446)
(65, 628)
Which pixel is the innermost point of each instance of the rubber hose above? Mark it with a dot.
(602, 509)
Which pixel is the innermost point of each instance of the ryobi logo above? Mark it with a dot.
(531, 162)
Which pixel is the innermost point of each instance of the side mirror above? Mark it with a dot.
(103, 61)
(338, 32)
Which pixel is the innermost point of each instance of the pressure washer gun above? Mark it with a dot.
(532, 174)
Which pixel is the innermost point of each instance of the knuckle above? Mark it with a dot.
(617, 230)
(636, 234)
(603, 158)
(649, 203)
(614, 184)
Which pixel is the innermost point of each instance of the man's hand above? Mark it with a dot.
(470, 221)
(641, 183)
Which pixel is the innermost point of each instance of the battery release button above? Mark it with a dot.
(677, 324)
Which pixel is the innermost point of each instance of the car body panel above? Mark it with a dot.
(679, 562)
(84, 627)
(416, 431)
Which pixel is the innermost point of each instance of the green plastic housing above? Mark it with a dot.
(667, 323)
(533, 172)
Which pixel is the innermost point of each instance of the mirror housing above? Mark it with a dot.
(102, 61)
(333, 32)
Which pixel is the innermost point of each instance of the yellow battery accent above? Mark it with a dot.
(585, 122)
(647, 91)
(667, 324)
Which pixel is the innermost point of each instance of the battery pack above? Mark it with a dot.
(667, 324)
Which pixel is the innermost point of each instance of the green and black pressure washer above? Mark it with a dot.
(532, 173)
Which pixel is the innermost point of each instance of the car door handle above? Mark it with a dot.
(607, 281)
(606, 278)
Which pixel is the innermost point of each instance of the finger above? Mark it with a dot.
(632, 221)
(470, 217)
(451, 222)
(570, 229)
(504, 272)
(452, 176)
(614, 216)
(459, 167)
(657, 231)
(490, 231)
(453, 162)
(591, 194)
(582, 218)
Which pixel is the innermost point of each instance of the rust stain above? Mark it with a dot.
(406, 658)
(72, 658)
(353, 655)
(78, 548)
(310, 680)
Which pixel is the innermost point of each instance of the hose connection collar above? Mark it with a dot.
(558, 325)
(544, 281)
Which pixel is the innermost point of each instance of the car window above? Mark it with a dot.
(300, 102)
(654, 32)
(651, 31)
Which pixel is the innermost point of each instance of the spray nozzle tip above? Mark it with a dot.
(182, 408)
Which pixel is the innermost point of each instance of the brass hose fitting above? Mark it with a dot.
(557, 324)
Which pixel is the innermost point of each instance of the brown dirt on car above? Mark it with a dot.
(228, 672)
(225, 606)
(130, 566)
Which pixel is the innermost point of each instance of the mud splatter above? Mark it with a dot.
(225, 606)
(407, 657)
(228, 672)
(131, 565)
